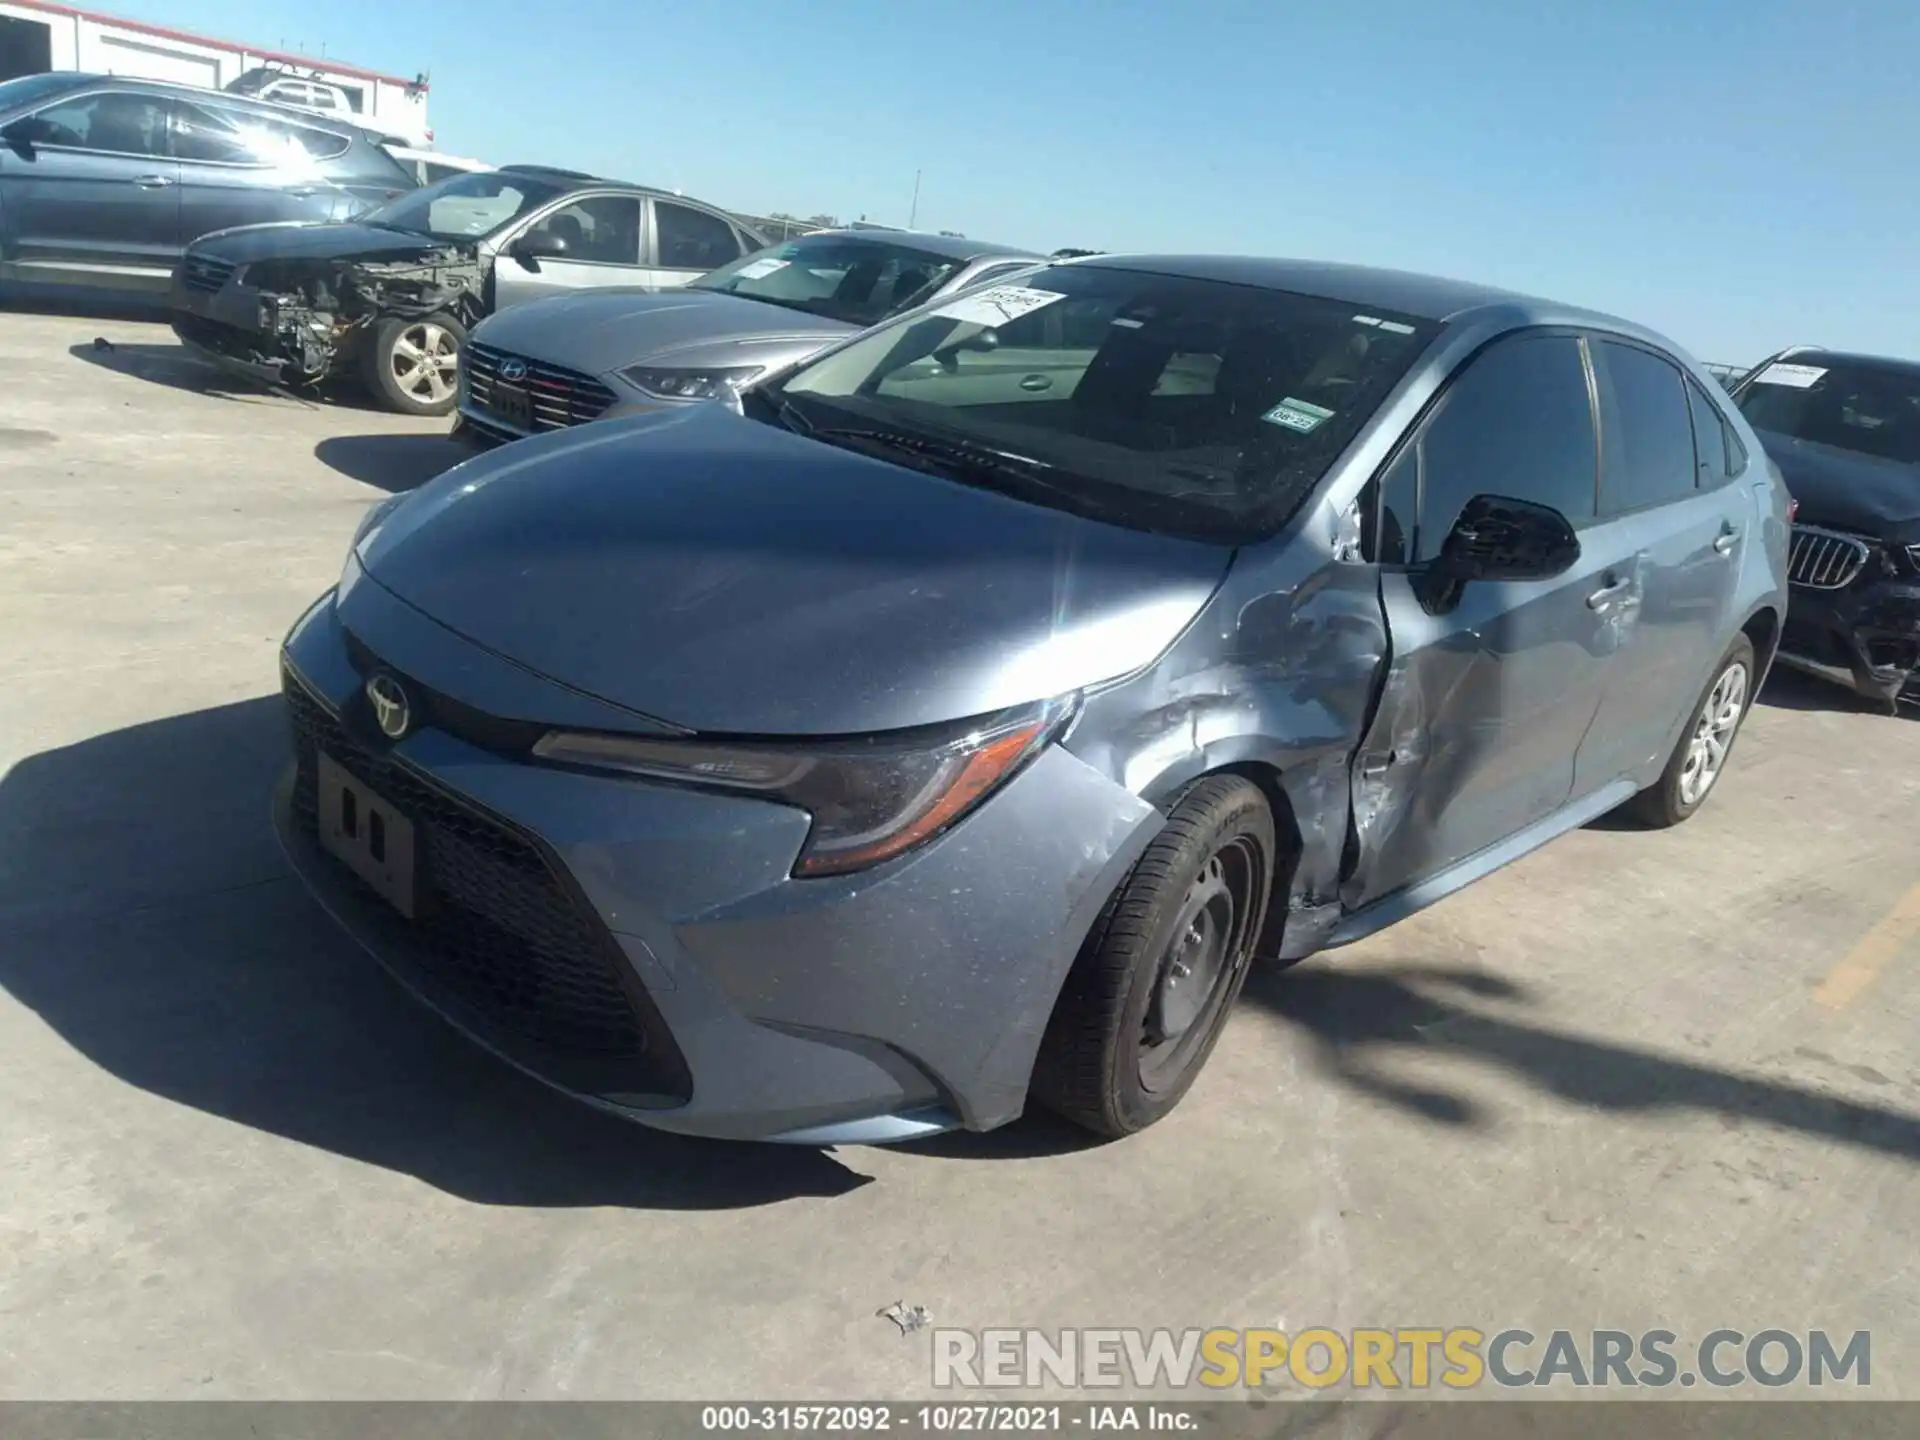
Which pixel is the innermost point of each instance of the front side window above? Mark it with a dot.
(114, 123)
(1516, 423)
(466, 207)
(1649, 452)
(1854, 405)
(858, 281)
(1184, 406)
(599, 229)
(692, 239)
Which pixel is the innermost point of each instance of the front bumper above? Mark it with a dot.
(1866, 636)
(642, 946)
(236, 328)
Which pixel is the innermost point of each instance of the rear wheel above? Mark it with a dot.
(412, 366)
(1700, 758)
(1151, 990)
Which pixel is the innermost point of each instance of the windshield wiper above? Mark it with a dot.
(968, 457)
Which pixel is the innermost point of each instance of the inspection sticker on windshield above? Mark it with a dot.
(761, 267)
(998, 304)
(1298, 415)
(1800, 377)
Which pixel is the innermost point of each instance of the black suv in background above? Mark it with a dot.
(105, 181)
(1845, 432)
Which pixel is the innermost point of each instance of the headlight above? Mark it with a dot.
(870, 799)
(691, 384)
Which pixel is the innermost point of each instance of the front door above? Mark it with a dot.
(602, 236)
(97, 202)
(1487, 698)
(1664, 489)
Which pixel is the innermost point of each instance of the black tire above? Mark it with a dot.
(1665, 802)
(383, 364)
(1096, 1066)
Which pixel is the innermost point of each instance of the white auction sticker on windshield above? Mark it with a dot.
(1298, 415)
(1800, 377)
(761, 267)
(998, 304)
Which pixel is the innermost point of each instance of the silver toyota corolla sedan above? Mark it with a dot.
(580, 357)
(955, 718)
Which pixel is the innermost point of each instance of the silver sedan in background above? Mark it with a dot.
(585, 356)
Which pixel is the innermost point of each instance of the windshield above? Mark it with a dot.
(465, 207)
(1184, 406)
(1869, 409)
(858, 281)
(29, 88)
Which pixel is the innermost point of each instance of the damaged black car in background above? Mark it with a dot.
(1845, 432)
(390, 296)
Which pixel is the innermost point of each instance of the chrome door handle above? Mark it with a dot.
(1726, 542)
(1599, 598)
(154, 182)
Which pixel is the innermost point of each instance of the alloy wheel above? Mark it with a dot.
(1713, 734)
(426, 361)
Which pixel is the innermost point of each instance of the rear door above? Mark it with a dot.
(1486, 701)
(688, 242)
(603, 234)
(1664, 489)
(99, 202)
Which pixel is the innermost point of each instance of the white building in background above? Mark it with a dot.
(38, 35)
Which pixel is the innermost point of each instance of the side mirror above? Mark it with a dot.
(949, 355)
(537, 245)
(1500, 538)
(23, 134)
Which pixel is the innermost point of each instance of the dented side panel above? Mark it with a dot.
(1276, 675)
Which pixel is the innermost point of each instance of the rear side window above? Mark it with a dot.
(691, 239)
(1709, 438)
(1648, 454)
(1518, 422)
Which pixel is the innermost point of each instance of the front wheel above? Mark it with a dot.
(1151, 990)
(1700, 758)
(413, 366)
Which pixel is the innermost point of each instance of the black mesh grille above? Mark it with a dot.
(560, 397)
(497, 930)
(205, 273)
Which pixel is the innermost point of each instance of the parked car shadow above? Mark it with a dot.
(1350, 1018)
(392, 462)
(148, 918)
(1790, 689)
(177, 368)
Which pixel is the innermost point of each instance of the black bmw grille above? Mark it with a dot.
(497, 929)
(205, 273)
(561, 397)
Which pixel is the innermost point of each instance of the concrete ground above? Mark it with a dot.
(1636, 1081)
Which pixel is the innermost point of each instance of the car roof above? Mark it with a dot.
(953, 247)
(1428, 297)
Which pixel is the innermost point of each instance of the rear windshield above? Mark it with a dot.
(1190, 407)
(855, 280)
(1851, 405)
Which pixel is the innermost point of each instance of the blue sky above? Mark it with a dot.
(1740, 176)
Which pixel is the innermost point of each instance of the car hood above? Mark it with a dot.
(1845, 490)
(295, 240)
(727, 576)
(598, 332)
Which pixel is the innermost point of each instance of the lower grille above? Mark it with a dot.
(497, 931)
(560, 397)
(205, 273)
(1825, 559)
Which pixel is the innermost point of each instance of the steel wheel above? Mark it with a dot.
(425, 362)
(1713, 734)
(1210, 946)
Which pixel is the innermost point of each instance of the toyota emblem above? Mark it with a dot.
(391, 710)
(513, 369)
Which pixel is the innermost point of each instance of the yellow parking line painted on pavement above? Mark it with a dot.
(1862, 964)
